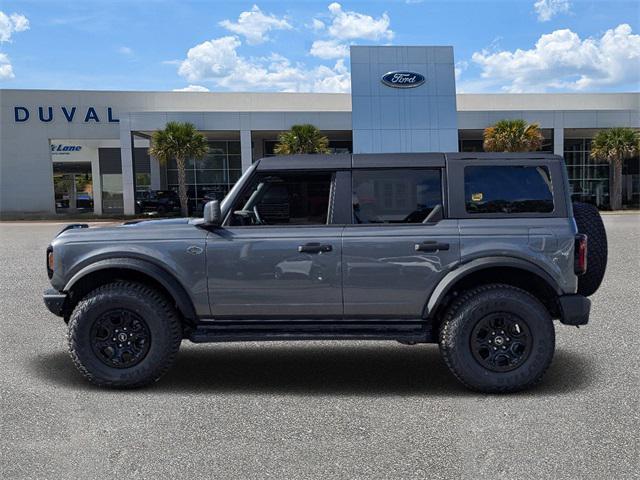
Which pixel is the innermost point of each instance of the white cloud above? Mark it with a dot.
(128, 51)
(317, 25)
(348, 25)
(6, 70)
(327, 49)
(214, 58)
(547, 9)
(254, 25)
(192, 88)
(561, 60)
(9, 24)
(460, 67)
(218, 61)
(344, 27)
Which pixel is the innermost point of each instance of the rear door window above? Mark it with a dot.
(507, 189)
(395, 195)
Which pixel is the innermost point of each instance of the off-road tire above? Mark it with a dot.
(468, 310)
(157, 312)
(589, 222)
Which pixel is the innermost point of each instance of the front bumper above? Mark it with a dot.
(575, 309)
(55, 301)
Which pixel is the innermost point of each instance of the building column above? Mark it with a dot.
(96, 182)
(154, 166)
(246, 152)
(558, 141)
(126, 159)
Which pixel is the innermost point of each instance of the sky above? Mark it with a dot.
(499, 46)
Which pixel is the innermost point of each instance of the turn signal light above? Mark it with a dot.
(580, 252)
(50, 262)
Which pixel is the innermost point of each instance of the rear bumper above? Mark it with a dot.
(55, 301)
(575, 309)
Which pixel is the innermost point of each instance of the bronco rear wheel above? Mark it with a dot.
(124, 335)
(497, 338)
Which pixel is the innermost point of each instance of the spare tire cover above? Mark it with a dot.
(589, 222)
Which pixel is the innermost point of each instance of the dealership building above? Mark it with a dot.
(86, 151)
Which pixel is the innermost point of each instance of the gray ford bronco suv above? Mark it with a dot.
(477, 252)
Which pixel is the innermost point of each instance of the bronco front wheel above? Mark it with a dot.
(497, 338)
(124, 334)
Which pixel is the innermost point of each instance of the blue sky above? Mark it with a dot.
(500, 46)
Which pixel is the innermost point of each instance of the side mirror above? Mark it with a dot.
(212, 213)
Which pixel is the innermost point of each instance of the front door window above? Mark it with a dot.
(284, 199)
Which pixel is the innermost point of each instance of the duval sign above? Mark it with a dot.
(47, 114)
(402, 79)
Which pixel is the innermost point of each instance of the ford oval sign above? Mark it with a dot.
(403, 79)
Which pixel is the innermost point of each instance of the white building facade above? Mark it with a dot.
(86, 151)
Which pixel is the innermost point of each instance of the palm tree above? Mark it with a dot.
(302, 139)
(180, 141)
(512, 136)
(615, 145)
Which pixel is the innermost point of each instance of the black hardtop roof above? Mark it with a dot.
(344, 161)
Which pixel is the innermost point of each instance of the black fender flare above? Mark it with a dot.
(451, 278)
(159, 274)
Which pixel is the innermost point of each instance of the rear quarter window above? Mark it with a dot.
(508, 189)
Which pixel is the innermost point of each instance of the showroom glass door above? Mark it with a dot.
(73, 187)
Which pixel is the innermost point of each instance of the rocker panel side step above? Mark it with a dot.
(414, 331)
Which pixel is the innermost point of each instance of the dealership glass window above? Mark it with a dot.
(588, 178)
(507, 189)
(143, 182)
(112, 201)
(142, 169)
(111, 179)
(211, 177)
(395, 195)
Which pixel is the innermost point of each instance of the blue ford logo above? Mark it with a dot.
(403, 79)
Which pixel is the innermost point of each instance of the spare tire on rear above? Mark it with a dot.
(589, 222)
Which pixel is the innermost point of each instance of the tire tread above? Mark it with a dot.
(447, 339)
(589, 222)
(142, 293)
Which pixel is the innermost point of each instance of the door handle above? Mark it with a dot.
(314, 248)
(431, 246)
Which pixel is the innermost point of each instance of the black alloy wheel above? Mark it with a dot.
(501, 341)
(120, 338)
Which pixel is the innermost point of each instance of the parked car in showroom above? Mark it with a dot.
(479, 253)
(160, 201)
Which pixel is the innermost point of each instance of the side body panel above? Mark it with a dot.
(546, 242)
(384, 274)
(177, 248)
(260, 272)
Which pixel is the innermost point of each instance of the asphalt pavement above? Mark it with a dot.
(317, 409)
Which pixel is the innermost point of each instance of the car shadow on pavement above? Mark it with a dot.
(319, 369)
